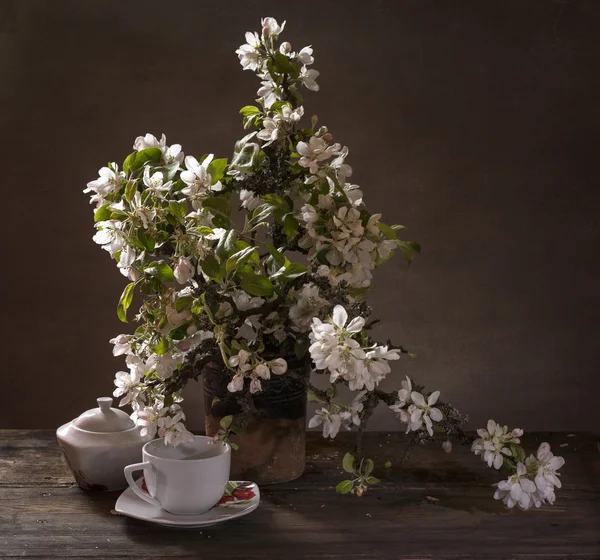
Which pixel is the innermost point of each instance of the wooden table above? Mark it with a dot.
(437, 506)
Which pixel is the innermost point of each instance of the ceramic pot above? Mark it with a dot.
(272, 444)
(99, 444)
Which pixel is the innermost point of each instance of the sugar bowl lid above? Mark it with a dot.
(104, 418)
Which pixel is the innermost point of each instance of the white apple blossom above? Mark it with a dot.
(149, 141)
(244, 301)
(332, 422)
(249, 54)
(310, 304)
(164, 365)
(126, 259)
(110, 236)
(518, 489)
(376, 363)
(285, 48)
(309, 77)
(110, 180)
(289, 115)
(269, 92)
(184, 270)
(128, 384)
(147, 418)
(170, 154)
(248, 199)
(315, 151)
(198, 180)
(141, 212)
(424, 411)
(548, 465)
(270, 27)
(491, 444)
(305, 55)
(155, 183)
(270, 132)
(122, 344)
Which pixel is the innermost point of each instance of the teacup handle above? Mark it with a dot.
(129, 470)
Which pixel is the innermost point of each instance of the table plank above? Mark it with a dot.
(438, 506)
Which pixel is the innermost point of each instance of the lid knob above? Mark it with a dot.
(104, 403)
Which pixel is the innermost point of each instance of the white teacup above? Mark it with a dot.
(185, 480)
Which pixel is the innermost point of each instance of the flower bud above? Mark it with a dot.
(447, 446)
(184, 271)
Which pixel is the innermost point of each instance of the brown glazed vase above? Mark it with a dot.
(272, 445)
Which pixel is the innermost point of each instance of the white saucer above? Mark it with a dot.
(240, 498)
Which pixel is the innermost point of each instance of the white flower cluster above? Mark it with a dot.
(308, 305)
(252, 367)
(168, 423)
(334, 416)
(352, 247)
(414, 410)
(492, 443)
(534, 478)
(334, 349)
(256, 54)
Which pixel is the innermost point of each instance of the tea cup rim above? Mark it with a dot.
(170, 459)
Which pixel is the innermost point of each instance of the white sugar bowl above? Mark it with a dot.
(99, 444)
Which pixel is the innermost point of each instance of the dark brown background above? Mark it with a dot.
(473, 123)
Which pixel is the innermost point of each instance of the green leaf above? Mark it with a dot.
(221, 222)
(196, 307)
(136, 160)
(226, 422)
(103, 213)
(211, 267)
(218, 205)
(408, 249)
(162, 347)
(249, 110)
(130, 190)
(164, 272)
(290, 226)
(234, 446)
(291, 271)
(226, 246)
(216, 169)
(373, 480)
(244, 153)
(344, 487)
(169, 400)
(283, 65)
(259, 215)
(239, 258)
(146, 240)
(348, 462)
(300, 348)
(278, 257)
(182, 303)
(387, 231)
(178, 208)
(313, 397)
(388, 464)
(518, 453)
(125, 302)
(255, 284)
(368, 467)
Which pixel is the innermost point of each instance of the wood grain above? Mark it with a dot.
(436, 506)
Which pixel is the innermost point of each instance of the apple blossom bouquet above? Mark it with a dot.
(289, 279)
